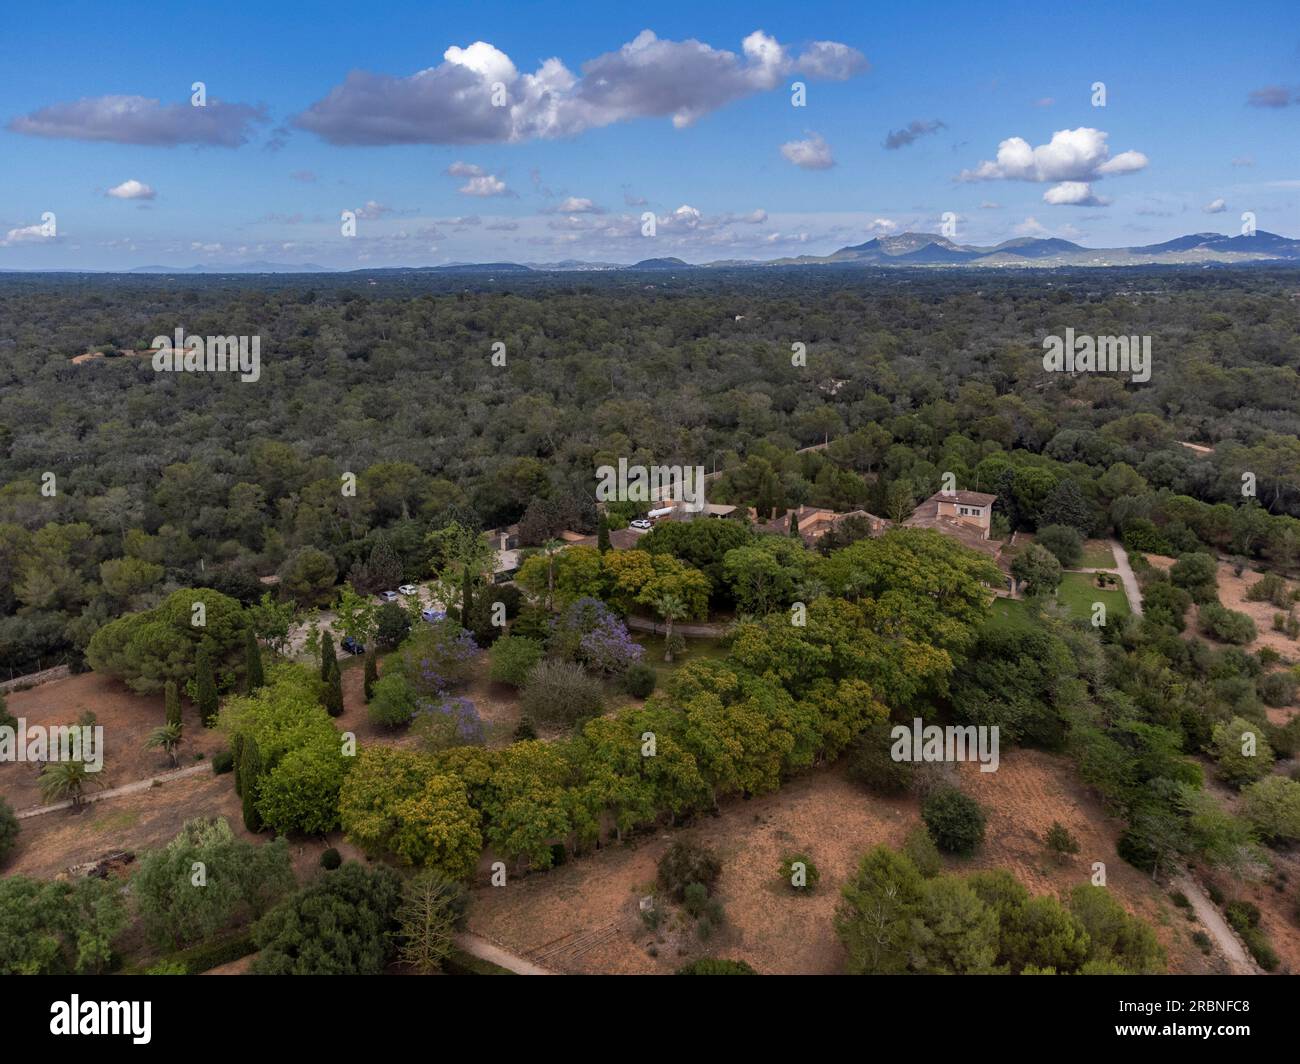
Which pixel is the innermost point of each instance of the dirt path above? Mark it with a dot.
(116, 792)
(708, 631)
(1209, 915)
(1126, 576)
(487, 951)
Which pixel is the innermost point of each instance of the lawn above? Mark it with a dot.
(1097, 555)
(698, 648)
(1008, 613)
(1078, 591)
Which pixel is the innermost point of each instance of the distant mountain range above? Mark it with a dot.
(904, 249)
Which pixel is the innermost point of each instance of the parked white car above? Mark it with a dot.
(388, 596)
(407, 589)
(642, 523)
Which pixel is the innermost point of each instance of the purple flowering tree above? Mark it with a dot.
(590, 633)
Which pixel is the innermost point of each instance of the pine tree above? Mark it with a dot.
(172, 700)
(602, 535)
(205, 686)
(334, 691)
(384, 568)
(327, 655)
(371, 676)
(253, 662)
(250, 769)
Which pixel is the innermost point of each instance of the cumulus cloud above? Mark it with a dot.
(460, 169)
(811, 154)
(131, 189)
(577, 205)
(484, 185)
(476, 94)
(1216, 206)
(1072, 160)
(901, 138)
(27, 234)
(140, 120)
(1073, 194)
(1271, 96)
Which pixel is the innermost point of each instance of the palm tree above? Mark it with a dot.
(551, 547)
(67, 779)
(671, 608)
(167, 738)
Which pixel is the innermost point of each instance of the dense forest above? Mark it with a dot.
(119, 484)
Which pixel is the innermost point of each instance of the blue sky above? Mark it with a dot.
(315, 109)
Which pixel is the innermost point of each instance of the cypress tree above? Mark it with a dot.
(237, 754)
(253, 662)
(372, 675)
(327, 655)
(467, 598)
(794, 524)
(602, 535)
(205, 683)
(334, 691)
(172, 700)
(250, 770)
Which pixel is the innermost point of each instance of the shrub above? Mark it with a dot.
(1229, 744)
(370, 676)
(8, 829)
(1225, 625)
(1272, 806)
(393, 703)
(1194, 572)
(1063, 541)
(524, 730)
(223, 761)
(1202, 941)
(1269, 588)
(684, 863)
(920, 847)
(330, 859)
(871, 764)
(511, 658)
(559, 692)
(1278, 688)
(716, 966)
(1061, 841)
(955, 820)
(799, 873)
(448, 722)
(341, 924)
(639, 680)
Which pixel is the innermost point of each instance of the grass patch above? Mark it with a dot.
(114, 821)
(1008, 613)
(698, 648)
(1078, 591)
(462, 963)
(1097, 556)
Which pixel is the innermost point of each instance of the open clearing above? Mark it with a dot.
(583, 917)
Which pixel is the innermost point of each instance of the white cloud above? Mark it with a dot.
(460, 169)
(1216, 206)
(1073, 194)
(811, 154)
(453, 102)
(484, 185)
(131, 189)
(27, 234)
(577, 205)
(1073, 155)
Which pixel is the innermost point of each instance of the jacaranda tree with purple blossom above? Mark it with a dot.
(591, 634)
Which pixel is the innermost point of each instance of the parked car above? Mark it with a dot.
(642, 523)
(433, 616)
(352, 646)
(388, 596)
(407, 589)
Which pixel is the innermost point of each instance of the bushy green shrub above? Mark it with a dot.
(223, 761)
(1225, 625)
(511, 658)
(799, 874)
(716, 966)
(639, 680)
(8, 829)
(684, 863)
(871, 764)
(560, 692)
(330, 859)
(955, 820)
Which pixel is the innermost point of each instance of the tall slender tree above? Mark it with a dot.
(327, 655)
(253, 662)
(205, 686)
(250, 768)
(172, 700)
(372, 675)
(602, 534)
